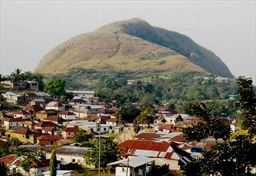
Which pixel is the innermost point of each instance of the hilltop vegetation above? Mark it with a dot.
(131, 48)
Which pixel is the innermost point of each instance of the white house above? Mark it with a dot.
(67, 115)
(12, 122)
(133, 166)
(22, 114)
(70, 154)
(54, 105)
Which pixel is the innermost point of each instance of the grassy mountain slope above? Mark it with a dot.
(133, 48)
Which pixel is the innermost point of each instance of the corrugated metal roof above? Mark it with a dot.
(133, 161)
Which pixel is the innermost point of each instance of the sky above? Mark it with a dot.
(31, 28)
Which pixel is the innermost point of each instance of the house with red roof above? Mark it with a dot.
(22, 114)
(147, 136)
(66, 115)
(53, 119)
(47, 139)
(13, 162)
(69, 132)
(12, 122)
(162, 152)
(165, 127)
(47, 127)
(24, 135)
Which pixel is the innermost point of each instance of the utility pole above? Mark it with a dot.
(127, 166)
(99, 129)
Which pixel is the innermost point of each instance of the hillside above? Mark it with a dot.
(132, 46)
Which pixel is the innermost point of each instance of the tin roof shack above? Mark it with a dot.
(133, 166)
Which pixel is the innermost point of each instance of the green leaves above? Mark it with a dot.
(53, 163)
(55, 87)
(109, 152)
(247, 102)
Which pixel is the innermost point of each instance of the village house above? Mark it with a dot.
(70, 154)
(28, 124)
(53, 105)
(33, 108)
(47, 139)
(133, 166)
(76, 101)
(147, 136)
(21, 85)
(165, 127)
(66, 115)
(47, 127)
(82, 94)
(24, 135)
(13, 162)
(69, 132)
(22, 114)
(162, 152)
(53, 119)
(12, 122)
(45, 113)
(14, 98)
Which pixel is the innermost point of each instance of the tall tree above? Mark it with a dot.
(55, 87)
(53, 163)
(247, 102)
(109, 152)
(16, 76)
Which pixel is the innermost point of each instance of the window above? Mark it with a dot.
(123, 169)
(73, 160)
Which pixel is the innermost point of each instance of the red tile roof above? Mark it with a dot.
(65, 113)
(165, 126)
(22, 112)
(48, 137)
(23, 131)
(145, 145)
(148, 136)
(52, 118)
(35, 108)
(46, 124)
(112, 120)
(178, 138)
(14, 119)
(72, 129)
(8, 159)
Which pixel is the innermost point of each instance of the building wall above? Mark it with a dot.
(41, 116)
(23, 138)
(121, 171)
(70, 158)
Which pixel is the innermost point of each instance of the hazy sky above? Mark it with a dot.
(29, 29)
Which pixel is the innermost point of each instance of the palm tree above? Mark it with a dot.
(16, 76)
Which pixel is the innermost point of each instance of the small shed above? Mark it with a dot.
(133, 166)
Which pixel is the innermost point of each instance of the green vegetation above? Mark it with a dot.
(109, 152)
(233, 156)
(55, 87)
(18, 75)
(53, 163)
(247, 103)
(26, 164)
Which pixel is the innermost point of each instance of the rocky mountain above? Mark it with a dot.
(132, 46)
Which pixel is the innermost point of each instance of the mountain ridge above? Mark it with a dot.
(132, 45)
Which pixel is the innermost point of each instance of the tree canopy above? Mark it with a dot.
(55, 87)
(109, 152)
